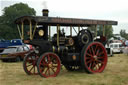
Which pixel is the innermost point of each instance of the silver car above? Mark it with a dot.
(15, 53)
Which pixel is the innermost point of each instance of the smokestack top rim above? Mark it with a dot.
(45, 12)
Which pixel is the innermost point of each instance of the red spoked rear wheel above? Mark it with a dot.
(94, 57)
(30, 63)
(49, 65)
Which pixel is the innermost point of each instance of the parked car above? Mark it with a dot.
(6, 43)
(116, 47)
(15, 53)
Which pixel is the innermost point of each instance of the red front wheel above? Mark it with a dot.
(94, 57)
(49, 65)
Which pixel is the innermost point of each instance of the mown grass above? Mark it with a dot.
(116, 73)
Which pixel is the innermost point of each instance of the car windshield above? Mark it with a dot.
(9, 50)
(111, 46)
(115, 46)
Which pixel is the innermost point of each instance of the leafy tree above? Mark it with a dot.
(6, 32)
(7, 25)
(124, 34)
(108, 30)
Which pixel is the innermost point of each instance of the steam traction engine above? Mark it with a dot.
(50, 52)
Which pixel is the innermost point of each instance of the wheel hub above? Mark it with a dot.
(95, 57)
(50, 65)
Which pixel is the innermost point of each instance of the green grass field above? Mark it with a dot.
(116, 73)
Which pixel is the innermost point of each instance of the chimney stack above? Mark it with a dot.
(45, 12)
(45, 26)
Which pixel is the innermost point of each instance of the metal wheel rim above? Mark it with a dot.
(95, 57)
(50, 65)
(30, 64)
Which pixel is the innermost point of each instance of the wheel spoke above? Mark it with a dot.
(53, 67)
(46, 71)
(88, 58)
(52, 59)
(96, 48)
(96, 67)
(89, 61)
(53, 70)
(98, 64)
(49, 60)
(94, 64)
(90, 65)
(31, 68)
(34, 69)
(44, 63)
(92, 50)
(101, 53)
(89, 54)
(29, 65)
(97, 52)
(100, 61)
(100, 57)
(49, 72)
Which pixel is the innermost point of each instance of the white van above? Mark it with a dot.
(116, 47)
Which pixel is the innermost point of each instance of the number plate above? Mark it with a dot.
(4, 55)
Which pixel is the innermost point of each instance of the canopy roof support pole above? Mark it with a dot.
(30, 30)
(78, 28)
(34, 29)
(19, 31)
(58, 29)
(75, 30)
(103, 30)
(96, 30)
(49, 32)
(70, 30)
(22, 28)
